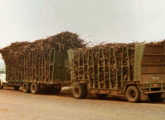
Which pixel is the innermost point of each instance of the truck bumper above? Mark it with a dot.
(153, 87)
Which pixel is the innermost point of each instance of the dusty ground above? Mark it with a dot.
(16, 105)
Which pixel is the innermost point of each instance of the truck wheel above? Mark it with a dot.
(34, 88)
(25, 87)
(155, 97)
(132, 94)
(85, 91)
(79, 91)
(57, 90)
(101, 95)
(1, 86)
(16, 87)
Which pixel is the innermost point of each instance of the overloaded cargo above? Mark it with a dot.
(41, 62)
(134, 70)
(105, 65)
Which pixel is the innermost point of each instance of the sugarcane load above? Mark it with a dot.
(42, 64)
(135, 70)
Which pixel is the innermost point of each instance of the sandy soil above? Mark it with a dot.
(16, 105)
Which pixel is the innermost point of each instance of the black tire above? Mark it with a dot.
(155, 97)
(34, 88)
(1, 86)
(16, 87)
(101, 95)
(25, 87)
(79, 91)
(85, 91)
(57, 90)
(132, 94)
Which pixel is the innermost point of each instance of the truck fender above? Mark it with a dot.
(127, 85)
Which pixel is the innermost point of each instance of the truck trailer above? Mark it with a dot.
(40, 65)
(133, 70)
(41, 70)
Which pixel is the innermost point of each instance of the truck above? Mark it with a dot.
(42, 65)
(135, 71)
(41, 71)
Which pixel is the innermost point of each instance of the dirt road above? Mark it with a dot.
(16, 105)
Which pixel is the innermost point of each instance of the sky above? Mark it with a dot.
(95, 21)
